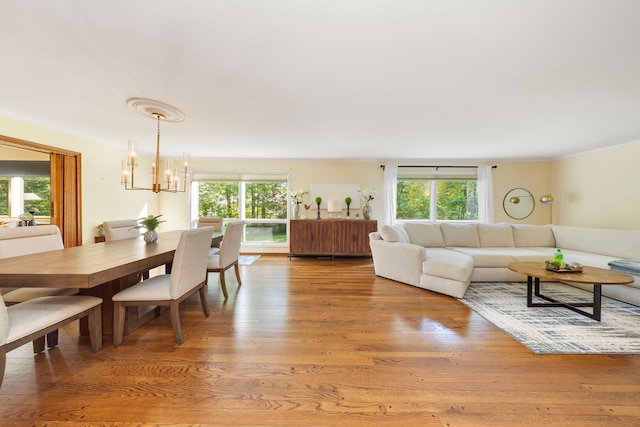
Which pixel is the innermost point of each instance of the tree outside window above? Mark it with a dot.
(437, 200)
(261, 205)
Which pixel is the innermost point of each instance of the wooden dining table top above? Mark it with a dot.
(90, 265)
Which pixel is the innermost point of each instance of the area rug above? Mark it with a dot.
(557, 330)
(247, 259)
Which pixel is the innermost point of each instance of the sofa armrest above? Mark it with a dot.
(398, 261)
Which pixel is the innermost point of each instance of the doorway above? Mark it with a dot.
(65, 187)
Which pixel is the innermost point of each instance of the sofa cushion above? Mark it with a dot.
(488, 257)
(462, 234)
(394, 233)
(448, 264)
(424, 234)
(533, 235)
(495, 235)
(615, 243)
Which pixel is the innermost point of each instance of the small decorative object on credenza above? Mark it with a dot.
(334, 208)
(367, 197)
(150, 223)
(347, 201)
(318, 201)
(297, 197)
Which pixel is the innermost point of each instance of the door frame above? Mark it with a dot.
(66, 187)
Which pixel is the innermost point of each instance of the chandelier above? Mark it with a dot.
(173, 179)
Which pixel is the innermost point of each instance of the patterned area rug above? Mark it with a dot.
(247, 259)
(557, 330)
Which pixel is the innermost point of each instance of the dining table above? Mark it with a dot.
(98, 269)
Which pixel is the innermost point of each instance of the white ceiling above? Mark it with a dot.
(347, 79)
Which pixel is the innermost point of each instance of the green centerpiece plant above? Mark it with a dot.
(150, 223)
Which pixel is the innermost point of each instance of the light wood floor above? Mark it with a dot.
(312, 342)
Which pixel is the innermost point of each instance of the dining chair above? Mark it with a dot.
(216, 222)
(120, 229)
(188, 275)
(36, 319)
(228, 255)
(124, 229)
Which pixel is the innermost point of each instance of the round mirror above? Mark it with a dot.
(518, 203)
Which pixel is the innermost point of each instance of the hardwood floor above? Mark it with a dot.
(316, 342)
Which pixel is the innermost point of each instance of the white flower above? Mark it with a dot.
(368, 195)
(297, 196)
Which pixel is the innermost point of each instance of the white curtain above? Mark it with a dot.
(485, 195)
(389, 194)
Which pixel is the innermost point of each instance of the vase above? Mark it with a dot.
(151, 236)
(366, 212)
(348, 212)
(297, 211)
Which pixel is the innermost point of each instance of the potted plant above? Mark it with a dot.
(150, 223)
(348, 201)
(318, 201)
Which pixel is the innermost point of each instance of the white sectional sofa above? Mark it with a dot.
(446, 257)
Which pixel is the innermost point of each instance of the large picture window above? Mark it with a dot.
(437, 197)
(259, 200)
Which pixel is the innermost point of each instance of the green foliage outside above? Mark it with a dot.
(455, 200)
(38, 185)
(262, 201)
(42, 187)
(413, 199)
(4, 196)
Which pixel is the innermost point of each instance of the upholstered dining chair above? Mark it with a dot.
(120, 229)
(216, 222)
(228, 255)
(188, 275)
(35, 319)
(123, 229)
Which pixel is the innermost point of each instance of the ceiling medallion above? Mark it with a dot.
(151, 108)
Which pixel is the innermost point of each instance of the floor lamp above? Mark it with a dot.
(548, 200)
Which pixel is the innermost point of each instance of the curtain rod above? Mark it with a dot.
(437, 167)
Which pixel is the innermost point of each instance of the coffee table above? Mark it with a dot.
(589, 275)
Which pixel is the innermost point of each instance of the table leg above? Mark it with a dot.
(533, 288)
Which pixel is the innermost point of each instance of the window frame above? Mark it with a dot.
(243, 178)
(434, 177)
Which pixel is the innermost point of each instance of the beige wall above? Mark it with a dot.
(596, 189)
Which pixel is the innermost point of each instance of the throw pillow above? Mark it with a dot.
(495, 235)
(461, 235)
(533, 235)
(423, 234)
(394, 233)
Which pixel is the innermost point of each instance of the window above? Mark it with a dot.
(25, 194)
(437, 196)
(4, 196)
(259, 200)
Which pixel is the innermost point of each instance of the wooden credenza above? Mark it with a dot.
(331, 237)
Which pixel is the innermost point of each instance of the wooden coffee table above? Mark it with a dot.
(589, 275)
